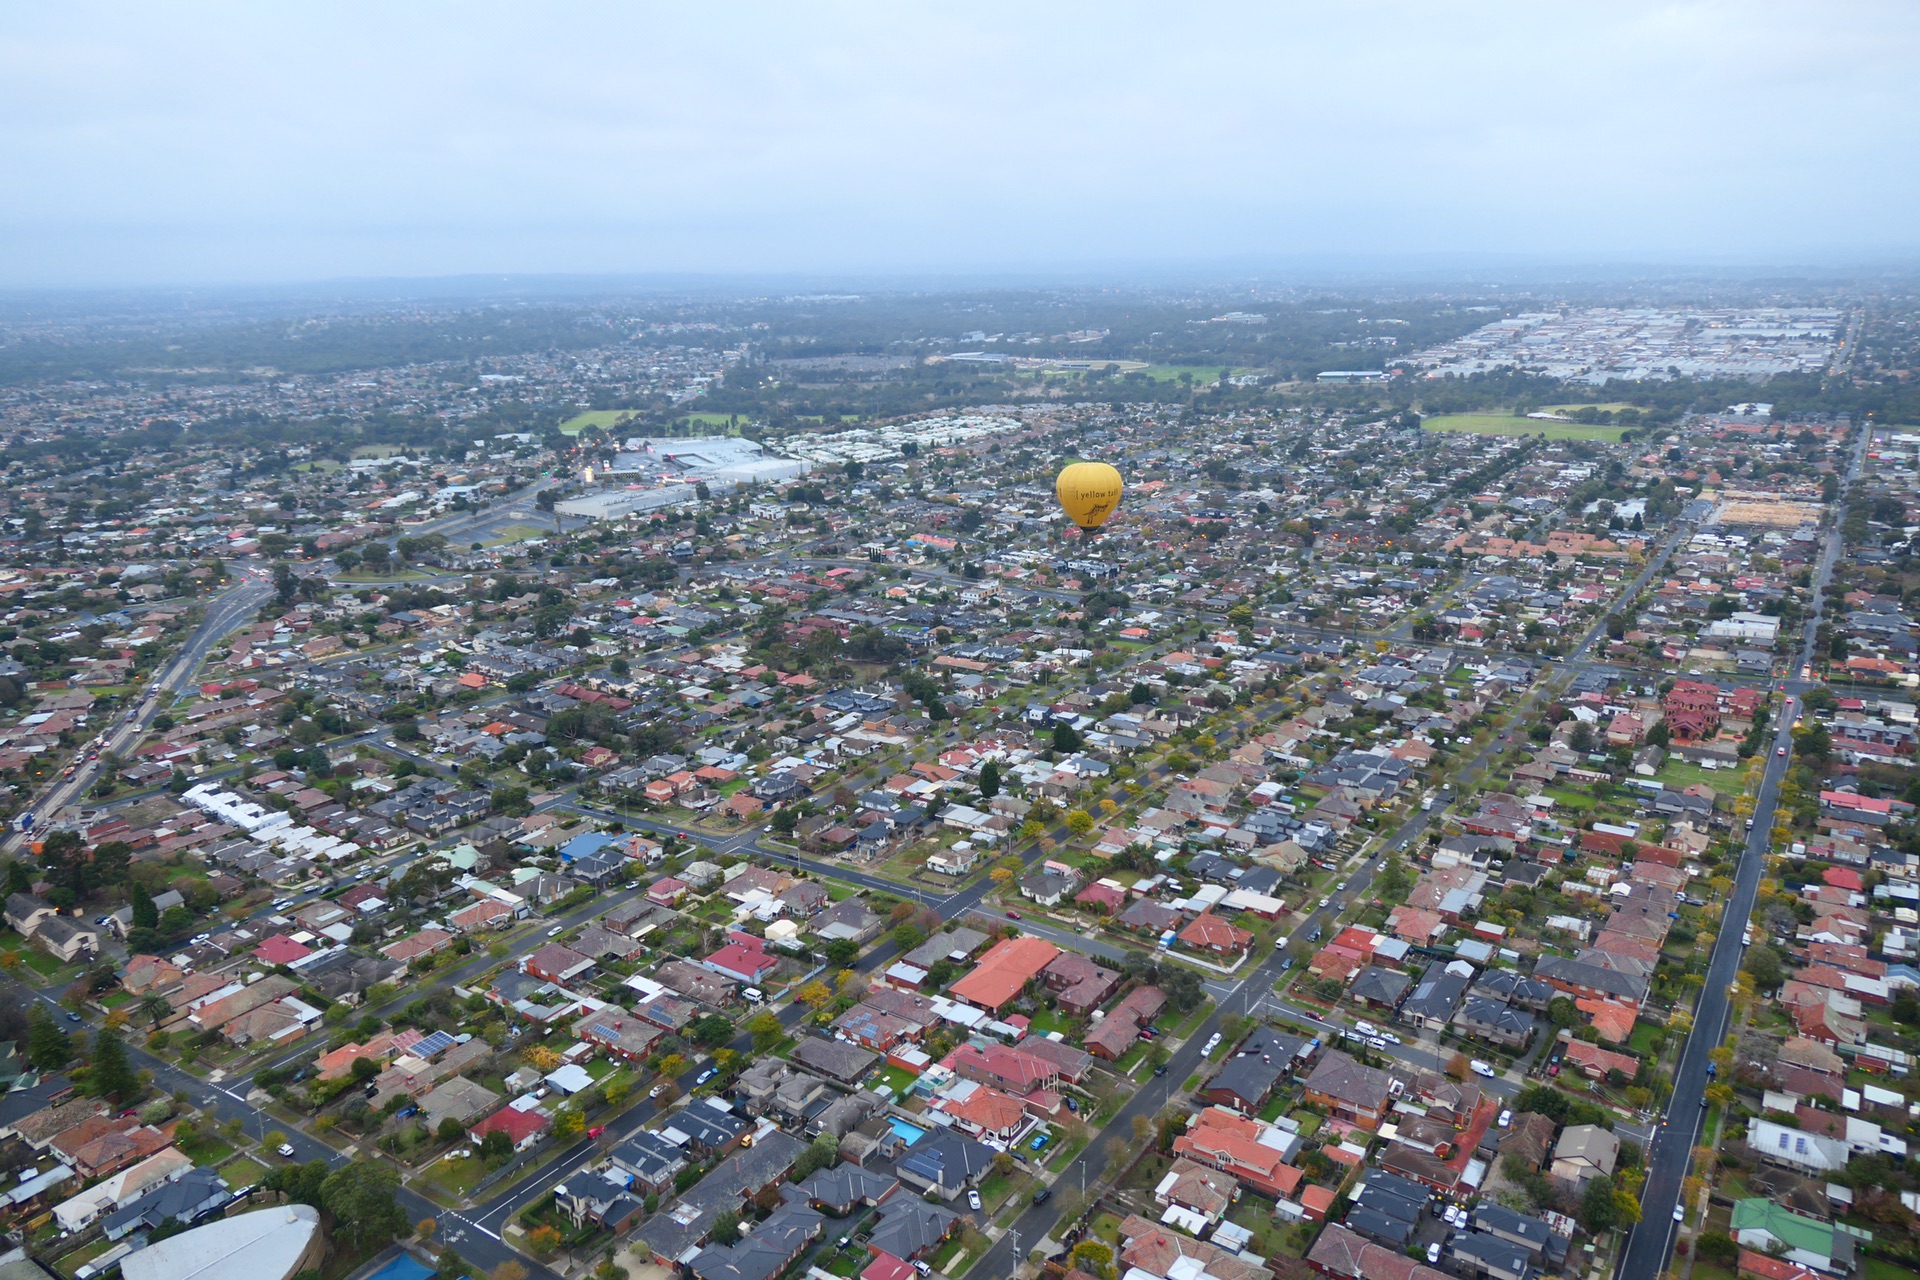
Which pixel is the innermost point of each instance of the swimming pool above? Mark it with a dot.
(907, 1133)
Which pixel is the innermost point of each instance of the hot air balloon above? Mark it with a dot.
(1088, 493)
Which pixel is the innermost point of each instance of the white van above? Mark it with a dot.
(753, 995)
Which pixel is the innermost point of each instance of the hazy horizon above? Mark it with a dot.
(223, 144)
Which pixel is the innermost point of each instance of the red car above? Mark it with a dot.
(1013, 915)
(596, 1131)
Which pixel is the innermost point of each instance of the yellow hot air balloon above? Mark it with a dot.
(1088, 493)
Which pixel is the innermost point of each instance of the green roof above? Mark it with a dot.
(1796, 1231)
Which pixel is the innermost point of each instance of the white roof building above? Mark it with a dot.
(267, 1244)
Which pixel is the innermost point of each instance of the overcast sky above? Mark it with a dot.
(204, 143)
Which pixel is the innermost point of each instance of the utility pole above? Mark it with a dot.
(1015, 1237)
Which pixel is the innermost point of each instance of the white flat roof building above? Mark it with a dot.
(267, 1244)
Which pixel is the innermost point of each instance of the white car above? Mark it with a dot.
(1506, 1118)
(973, 1200)
(1433, 1254)
(556, 931)
(286, 1149)
(1679, 1213)
(1366, 1027)
(1480, 1068)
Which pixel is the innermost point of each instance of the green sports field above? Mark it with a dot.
(605, 419)
(1506, 424)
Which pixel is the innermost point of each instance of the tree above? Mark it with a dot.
(713, 1030)
(670, 1066)
(544, 1240)
(1598, 1212)
(1094, 1257)
(990, 779)
(299, 1183)
(726, 1228)
(822, 1153)
(1764, 965)
(109, 1075)
(510, 1270)
(48, 1047)
(1717, 1246)
(425, 1228)
(766, 1031)
(495, 1145)
(1079, 821)
(155, 1008)
(908, 935)
(816, 995)
(450, 1129)
(568, 1123)
(363, 1200)
(1065, 738)
(145, 914)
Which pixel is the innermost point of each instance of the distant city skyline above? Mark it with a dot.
(212, 144)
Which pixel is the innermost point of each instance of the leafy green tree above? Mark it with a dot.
(450, 1130)
(48, 1047)
(495, 1145)
(109, 1075)
(362, 1199)
(145, 914)
(766, 1031)
(1598, 1210)
(299, 1183)
(990, 779)
(712, 1031)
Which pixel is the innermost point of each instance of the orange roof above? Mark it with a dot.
(1005, 971)
(1611, 1018)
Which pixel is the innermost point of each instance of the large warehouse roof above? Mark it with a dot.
(267, 1244)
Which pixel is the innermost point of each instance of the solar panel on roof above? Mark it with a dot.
(433, 1044)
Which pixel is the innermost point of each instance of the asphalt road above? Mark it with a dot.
(1650, 1243)
(224, 612)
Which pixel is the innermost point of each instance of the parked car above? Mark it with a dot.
(1506, 1118)
(1480, 1068)
(556, 931)
(1433, 1254)
(285, 1149)
(703, 1077)
(973, 1200)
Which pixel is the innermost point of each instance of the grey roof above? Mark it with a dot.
(684, 1222)
(1490, 1252)
(195, 1192)
(704, 1125)
(842, 1187)
(649, 1156)
(835, 1058)
(1500, 1220)
(946, 1160)
(1436, 996)
(1380, 985)
(909, 1228)
(765, 1253)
